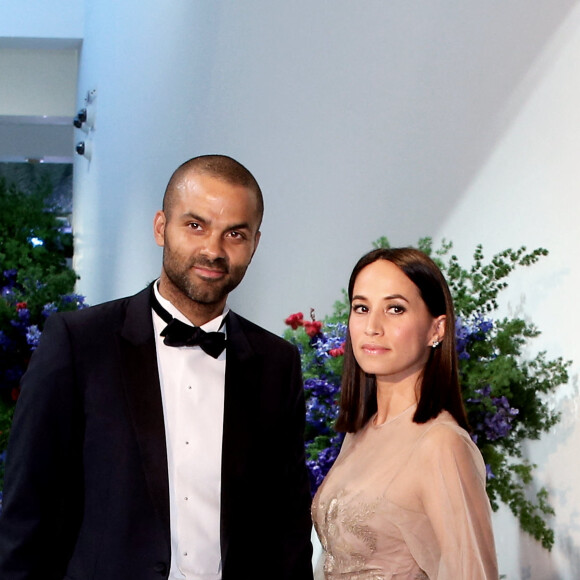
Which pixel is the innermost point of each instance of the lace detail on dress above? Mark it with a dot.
(350, 518)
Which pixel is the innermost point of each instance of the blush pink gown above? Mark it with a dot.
(406, 501)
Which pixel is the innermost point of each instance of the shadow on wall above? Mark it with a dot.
(409, 97)
(536, 563)
(399, 106)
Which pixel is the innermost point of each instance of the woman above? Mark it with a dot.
(406, 497)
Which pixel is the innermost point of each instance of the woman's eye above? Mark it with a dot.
(359, 308)
(396, 309)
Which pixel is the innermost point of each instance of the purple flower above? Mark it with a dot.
(4, 340)
(333, 337)
(23, 314)
(499, 424)
(321, 408)
(468, 331)
(22, 318)
(49, 309)
(493, 424)
(10, 276)
(75, 299)
(33, 336)
(319, 466)
(7, 292)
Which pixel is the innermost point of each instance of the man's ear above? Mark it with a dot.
(256, 241)
(159, 222)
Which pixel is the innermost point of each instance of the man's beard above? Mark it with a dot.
(202, 291)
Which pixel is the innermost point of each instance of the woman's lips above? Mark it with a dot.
(374, 348)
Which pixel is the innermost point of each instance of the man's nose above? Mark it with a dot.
(213, 247)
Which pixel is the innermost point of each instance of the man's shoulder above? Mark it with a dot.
(258, 335)
(106, 310)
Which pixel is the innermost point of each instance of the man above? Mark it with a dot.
(134, 453)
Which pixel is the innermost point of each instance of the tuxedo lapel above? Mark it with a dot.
(143, 393)
(242, 388)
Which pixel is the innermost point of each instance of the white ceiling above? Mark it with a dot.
(37, 99)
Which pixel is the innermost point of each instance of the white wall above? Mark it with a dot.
(405, 119)
(38, 82)
(526, 192)
(30, 22)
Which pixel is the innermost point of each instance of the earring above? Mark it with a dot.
(436, 343)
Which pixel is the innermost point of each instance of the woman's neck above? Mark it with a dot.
(394, 398)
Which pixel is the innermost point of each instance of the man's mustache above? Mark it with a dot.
(219, 264)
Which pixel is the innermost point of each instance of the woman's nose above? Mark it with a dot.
(373, 326)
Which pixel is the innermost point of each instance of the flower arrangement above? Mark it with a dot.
(35, 281)
(504, 393)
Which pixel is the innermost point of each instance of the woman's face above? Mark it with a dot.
(390, 327)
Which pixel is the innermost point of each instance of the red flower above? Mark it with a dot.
(295, 320)
(337, 351)
(15, 393)
(21, 306)
(312, 328)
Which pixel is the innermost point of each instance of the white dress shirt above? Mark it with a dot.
(192, 390)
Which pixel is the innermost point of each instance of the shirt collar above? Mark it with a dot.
(213, 325)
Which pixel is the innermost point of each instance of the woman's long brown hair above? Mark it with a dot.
(440, 388)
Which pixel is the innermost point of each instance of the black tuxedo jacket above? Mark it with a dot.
(86, 491)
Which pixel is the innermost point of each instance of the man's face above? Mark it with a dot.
(208, 237)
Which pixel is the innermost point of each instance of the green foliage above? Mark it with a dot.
(35, 280)
(498, 363)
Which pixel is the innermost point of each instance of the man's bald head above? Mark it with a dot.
(218, 166)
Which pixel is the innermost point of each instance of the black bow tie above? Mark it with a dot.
(178, 333)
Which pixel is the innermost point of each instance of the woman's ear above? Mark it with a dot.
(439, 326)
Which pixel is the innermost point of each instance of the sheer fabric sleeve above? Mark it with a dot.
(456, 504)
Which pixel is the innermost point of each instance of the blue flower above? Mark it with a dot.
(321, 407)
(22, 318)
(488, 472)
(319, 466)
(333, 337)
(499, 424)
(469, 331)
(23, 314)
(49, 309)
(7, 292)
(493, 424)
(33, 336)
(10, 275)
(4, 340)
(75, 299)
